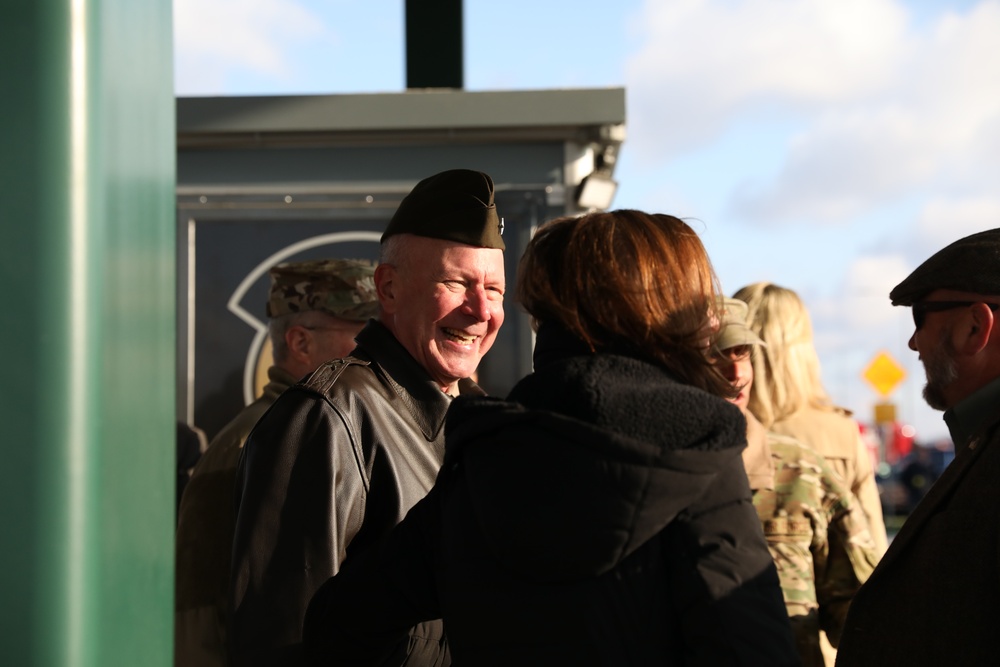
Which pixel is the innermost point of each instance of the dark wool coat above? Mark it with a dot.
(934, 599)
(600, 516)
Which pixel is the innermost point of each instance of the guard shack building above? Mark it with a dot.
(263, 180)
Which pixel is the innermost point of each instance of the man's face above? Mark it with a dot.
(735, 364)
(444, 302)
(932, 341)
(942, 371)
(937, 352)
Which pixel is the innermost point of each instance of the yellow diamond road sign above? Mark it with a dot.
(883, 373)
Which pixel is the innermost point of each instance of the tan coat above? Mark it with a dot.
(837, 438)
(816, 532)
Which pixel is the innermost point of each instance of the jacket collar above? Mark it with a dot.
(974, 415)
(413, 385)
(280, 377)
(278, 381)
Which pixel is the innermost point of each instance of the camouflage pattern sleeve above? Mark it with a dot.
(853, 555)
(819, 540)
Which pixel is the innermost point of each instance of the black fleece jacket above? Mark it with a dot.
(599, 516)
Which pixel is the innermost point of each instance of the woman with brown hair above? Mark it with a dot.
(600, 515)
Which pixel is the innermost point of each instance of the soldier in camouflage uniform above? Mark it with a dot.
(315, 309)
(815, 529)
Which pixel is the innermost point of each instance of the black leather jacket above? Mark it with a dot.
(336, 463)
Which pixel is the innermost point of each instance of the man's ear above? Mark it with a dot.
(979, 328)
(298, 339)
(385, 287)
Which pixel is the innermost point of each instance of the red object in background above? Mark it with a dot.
(896, 441)
(902, 441)
(871, 439)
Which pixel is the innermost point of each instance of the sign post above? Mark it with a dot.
(884, 375)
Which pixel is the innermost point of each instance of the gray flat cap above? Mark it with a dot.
(971, 264)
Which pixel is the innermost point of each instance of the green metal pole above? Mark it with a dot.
(87, 266)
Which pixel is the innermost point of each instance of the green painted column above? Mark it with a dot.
(87, 265)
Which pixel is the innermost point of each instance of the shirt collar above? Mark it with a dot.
(973, 414)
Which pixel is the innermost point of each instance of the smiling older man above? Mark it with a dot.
(935, 597)
(342, 456)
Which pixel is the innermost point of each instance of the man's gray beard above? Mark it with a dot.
(941, 371)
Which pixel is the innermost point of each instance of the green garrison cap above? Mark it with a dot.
(343, 288)
(971, 264)
(733, 330)
(455, 205)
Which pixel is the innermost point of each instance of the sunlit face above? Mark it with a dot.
(932, 341)
(444, 303)
(941, 370)
(736, 366)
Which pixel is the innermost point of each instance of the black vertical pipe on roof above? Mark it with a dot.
(434, 44)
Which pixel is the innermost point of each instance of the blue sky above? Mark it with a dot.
(829, 147)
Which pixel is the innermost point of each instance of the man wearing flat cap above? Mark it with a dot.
(935, 597)
(315, 309)
(815, 528)
(342, 456)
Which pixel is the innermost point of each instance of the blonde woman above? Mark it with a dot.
(788, 396)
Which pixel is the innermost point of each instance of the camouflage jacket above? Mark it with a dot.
(816, 531)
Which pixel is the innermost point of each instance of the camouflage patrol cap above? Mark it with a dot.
(970, 264)
(733, 330)
(343, 288)
(455, 205)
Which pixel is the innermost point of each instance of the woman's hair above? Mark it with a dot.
(786, 371)
(627, 281)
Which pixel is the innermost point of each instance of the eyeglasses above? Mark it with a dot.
(321, 327)
(921, 308)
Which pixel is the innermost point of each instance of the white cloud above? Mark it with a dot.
(884, 107)
(943, 221)
(212, 39)
(865, 302)
(705, 61)
(858, 322)
(840, 167)
(857, 314)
